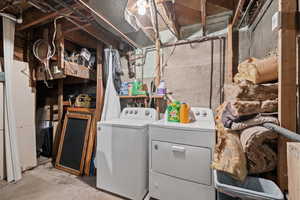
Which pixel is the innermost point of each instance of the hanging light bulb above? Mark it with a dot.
(141, 5)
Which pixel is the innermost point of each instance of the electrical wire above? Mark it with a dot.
(51, 50)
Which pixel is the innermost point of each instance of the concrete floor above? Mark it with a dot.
(48, 183)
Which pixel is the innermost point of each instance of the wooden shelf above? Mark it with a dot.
(140, 97)
(79, 71)
(134, 97)
(70, 69)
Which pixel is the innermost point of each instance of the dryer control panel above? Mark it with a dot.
(202, 114)
(139, 114)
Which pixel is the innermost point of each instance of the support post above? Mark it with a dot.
(98, 111)
(229, 68)
(287, 82)
(60, 91)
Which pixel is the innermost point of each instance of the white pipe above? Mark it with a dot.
(11, 17)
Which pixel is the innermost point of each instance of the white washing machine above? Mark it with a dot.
(180, 158)
(122, 153)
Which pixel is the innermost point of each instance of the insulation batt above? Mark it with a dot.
(242, 108)
(261, 158)
(229, 156)
(258, 70)
(247, 91)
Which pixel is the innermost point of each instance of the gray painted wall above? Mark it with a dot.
(258, 41)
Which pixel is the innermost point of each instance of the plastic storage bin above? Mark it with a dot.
(251, 189)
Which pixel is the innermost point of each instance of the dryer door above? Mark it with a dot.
(182, 161)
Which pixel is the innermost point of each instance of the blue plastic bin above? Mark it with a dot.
(252, 188)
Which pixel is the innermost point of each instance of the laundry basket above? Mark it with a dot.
(252, 188)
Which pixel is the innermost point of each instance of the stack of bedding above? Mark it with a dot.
(244, 146)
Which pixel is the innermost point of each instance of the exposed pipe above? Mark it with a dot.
(86, 6)
(11, 17)
(283, 131)
(34, 4)
(204, 39)
(211, 74)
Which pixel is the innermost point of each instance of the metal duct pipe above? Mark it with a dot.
(86, 6)
(283, 131)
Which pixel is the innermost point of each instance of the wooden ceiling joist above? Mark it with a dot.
(96, 33)
(203, 13)
(81, 38)
(38, 18)
(170, 18)
(238, 12)
(228, 4)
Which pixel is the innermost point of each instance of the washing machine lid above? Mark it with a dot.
(198, 125)
(126, 123)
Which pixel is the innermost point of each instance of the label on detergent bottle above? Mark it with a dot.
(174, 112)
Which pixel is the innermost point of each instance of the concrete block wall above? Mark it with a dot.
(259, 40)
(187, 73)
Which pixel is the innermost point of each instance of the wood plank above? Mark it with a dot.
(60, 47)
(169, 15)
(229, 68)
(79, 71)
(8, 46)
(228, 4)
(81, 38)
(60, 103)
(97, 33)
(287, 82)
(36, 17)
(98, 112)
(203, 14)
(293, 157)
(238, 12)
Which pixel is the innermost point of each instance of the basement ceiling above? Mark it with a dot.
(113, 10)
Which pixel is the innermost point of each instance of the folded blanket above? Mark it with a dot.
(261, 158)
(234, 122)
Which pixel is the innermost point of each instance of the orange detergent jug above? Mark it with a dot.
(184, 113)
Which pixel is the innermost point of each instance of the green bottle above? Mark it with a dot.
(174, 111)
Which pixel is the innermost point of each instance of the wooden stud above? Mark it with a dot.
(38, 18)
(60, 47)
(238, 12)
(203, 15)
(157, 67)
(229, 69)
(287, 82)
(96, 33)
(293, 157)
(60, 102)
(98, 112)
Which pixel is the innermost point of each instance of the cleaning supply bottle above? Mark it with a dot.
(173, 111)
(161, 90)
(184, 113)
